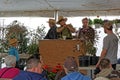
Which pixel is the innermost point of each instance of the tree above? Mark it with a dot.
(35, 36)
(19, 31)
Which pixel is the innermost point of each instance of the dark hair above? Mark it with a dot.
(37, 56)
(85, 19)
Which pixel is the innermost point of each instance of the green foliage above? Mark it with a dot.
(90, 22)
(98, 21)
(3, 46)
(33, 48)
(117, 21)
(28, 40)
(90, 49)
(34, 37)
(20, 32)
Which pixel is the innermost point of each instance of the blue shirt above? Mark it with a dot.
(75, 76)
(13, 51)
(26, 75)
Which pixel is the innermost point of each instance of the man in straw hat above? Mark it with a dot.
(13, 50)
(64, 29)
(52, 34)
(110, 46)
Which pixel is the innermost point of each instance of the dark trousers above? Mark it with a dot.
(97, 70)
(17, 65)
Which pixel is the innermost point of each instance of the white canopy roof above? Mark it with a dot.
(64, 7)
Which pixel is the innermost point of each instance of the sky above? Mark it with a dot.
(34, 22)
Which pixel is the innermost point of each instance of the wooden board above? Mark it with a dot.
(55, 51)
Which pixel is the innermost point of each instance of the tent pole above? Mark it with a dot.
(56, 15)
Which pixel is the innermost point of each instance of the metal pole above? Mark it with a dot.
(56, 15)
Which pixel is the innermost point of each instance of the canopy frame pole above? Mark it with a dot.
(56, 15)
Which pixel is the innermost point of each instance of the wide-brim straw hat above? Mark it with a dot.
(51, 21)
(61, 18)
(13, 41)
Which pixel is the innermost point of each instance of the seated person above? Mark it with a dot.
(9, 71)
(64, 29)
(107, 70)
(71, 70)
(34, 70)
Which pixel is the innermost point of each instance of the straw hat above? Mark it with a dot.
(52, 21)
(60, 18)
(12, 41)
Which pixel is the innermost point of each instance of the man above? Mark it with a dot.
(52, 34)
(9, 71)
(110, 46)
(71, 70)
(86, 32)
(34, 70)
(64, 29)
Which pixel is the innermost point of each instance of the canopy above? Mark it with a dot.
(47, 8)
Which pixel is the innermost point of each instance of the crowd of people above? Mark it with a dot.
(105, 68)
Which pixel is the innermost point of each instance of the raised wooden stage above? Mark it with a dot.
(55, 51)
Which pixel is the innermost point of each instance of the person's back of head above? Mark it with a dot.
(108, 25)
(34, 64)
(71, 64)
(31, 63)
(71, 69)
(10, 61)
(105, 63)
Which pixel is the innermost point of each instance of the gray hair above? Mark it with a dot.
(32, 62)
(10, 60)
